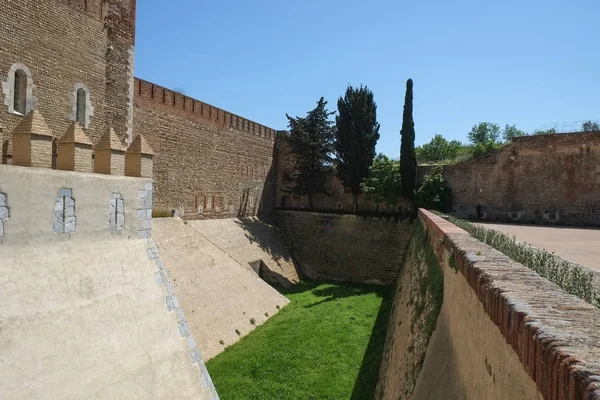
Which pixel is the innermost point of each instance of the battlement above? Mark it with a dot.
(99, 9)
(153, 96)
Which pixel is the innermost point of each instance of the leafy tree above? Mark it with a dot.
(383, 183)
(438, 149)
(434, 194)
(510, 132)
(590, 126)
(484, 132)
(311, 142)
(356, 134)
(408, 160)
(550, 131)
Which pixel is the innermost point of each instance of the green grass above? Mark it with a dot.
(326, 344)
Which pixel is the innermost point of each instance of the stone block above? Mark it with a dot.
(169, 302)
(143, 234)
(120, 221)
(120, 206)
(180, 315)
(140, 215)
(148, 186)
(60, 204)
(113, 207)
(146, 224)
(184, 328)
(149, 213)
(65, 192)
(160, 264)
(191, 342)
(158, 279)
(195, 355)
(2, 199)
(59, 226)
(142, 195)
(4, 213)
(69, 211)
(148, 200)
(70, 224)
(1, 230)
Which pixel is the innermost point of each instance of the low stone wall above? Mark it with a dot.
(503, 332)
(345, 247)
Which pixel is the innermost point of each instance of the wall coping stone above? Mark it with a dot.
(555, 334)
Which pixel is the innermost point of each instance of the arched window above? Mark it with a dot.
(81, 106)
(20, 92)
(82, 110)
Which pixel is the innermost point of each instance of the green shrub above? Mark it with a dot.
(161, 213)
(434, 194)
(569, 276)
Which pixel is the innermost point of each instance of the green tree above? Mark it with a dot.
(311, 143)
(383, 182)
(550, 131)
(484, 132)
(434, 194)
(510, 132)
(590, 126)
(408, 159)
(356, 134)
(438, 149)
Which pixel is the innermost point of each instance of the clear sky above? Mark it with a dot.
(523, 62)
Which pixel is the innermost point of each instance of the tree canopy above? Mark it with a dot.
(437, 150)
(590, 126)
(356, 134)
(511, 131)
(311, 143)
(383, 183)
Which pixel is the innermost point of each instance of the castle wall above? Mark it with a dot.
(65, 43)
(345, 248)
(88, 308)
(208, 162)
(551, 179)
(503, 332)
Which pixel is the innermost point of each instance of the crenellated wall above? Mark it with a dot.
(89, 310)
(64, 45)
(208, 163)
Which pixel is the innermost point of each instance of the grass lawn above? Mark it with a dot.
(326, 344)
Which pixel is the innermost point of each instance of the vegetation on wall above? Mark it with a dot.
(569, 276)
(327, 343)
(408, 160)
(311, 142)
(356, 134)
(435, 194)
(383, 182)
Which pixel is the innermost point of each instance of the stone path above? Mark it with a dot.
(581, 245)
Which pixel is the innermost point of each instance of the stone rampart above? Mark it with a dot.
(345, 247)
(503, 332)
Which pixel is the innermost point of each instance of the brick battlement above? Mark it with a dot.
(150, 95)
(99, 9)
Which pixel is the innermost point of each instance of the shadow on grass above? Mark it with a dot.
(366, 381)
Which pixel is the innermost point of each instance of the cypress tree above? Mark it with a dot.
(356, 134)
(408, 161)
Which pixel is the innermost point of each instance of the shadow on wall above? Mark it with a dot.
(267, 237)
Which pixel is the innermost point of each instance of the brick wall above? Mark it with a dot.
(208, 162)
(542, 179)
(345, 247)
(66, 42)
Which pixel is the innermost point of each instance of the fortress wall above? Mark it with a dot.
(503, 332)
(88, 312)
(64, 43)
(345, 247)
(537, 179)
(208, 162)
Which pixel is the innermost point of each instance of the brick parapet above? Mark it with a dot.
(555, 334)
(150, 95)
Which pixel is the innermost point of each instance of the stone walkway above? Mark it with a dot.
(581, 245)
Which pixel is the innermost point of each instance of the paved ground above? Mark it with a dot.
(577, 244)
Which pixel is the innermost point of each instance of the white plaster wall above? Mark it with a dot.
(90, 315)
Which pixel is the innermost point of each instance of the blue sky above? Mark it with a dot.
(525, 62)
